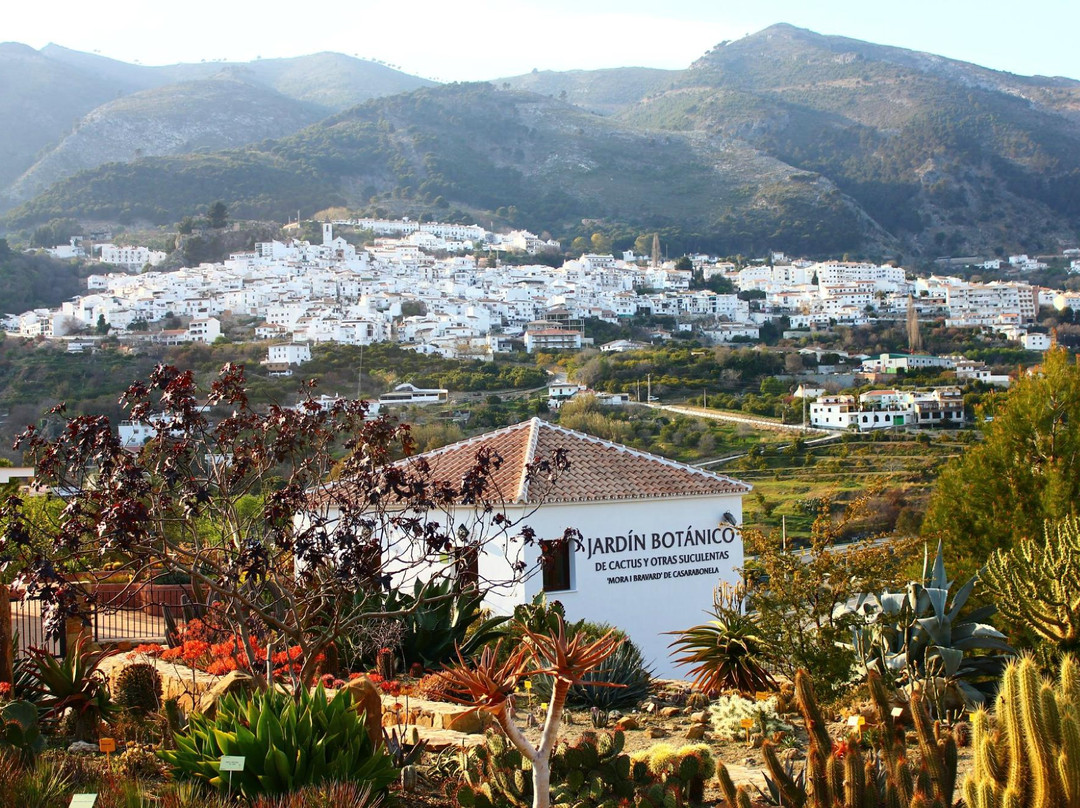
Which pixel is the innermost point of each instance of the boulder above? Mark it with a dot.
(236, 682)
(368, 699)
(696, 732)
(627, 723)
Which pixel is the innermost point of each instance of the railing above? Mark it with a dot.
(120, 612)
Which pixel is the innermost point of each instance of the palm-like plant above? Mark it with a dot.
(727, 652)
(74, 682)
(489, 684)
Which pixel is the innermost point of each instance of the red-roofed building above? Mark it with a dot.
(656, 535)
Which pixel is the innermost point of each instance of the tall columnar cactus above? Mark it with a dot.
(839, 776)
(1029, 754)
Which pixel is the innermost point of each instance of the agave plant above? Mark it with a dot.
(76, 683)
(287, 743)
(437, 621)
(727, 653)
(920, 639)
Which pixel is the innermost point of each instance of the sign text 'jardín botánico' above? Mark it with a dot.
(653, 546)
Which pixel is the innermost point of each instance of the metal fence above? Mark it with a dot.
(120, 613)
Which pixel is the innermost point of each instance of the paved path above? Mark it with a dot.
(716, 415)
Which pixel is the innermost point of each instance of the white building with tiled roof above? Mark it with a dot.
(656, 535)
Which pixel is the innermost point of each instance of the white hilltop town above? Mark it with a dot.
(422, 286)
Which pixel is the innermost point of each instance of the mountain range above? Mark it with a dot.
(785, 139)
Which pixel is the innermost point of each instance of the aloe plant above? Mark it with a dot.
(919, 638)
(74, 682)
(286, 743)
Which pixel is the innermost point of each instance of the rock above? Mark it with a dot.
(669, 712)
(471, 722)
(235, 682)
(627, 723)
(696, 732)
(367, 698)
(757, 740)
(792, 754)
(656, 732)
(83, 746)
(699, 718)
(750, 761)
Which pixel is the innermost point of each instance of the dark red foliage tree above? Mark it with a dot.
(283, 573)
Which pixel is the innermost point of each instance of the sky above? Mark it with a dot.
(471, 40)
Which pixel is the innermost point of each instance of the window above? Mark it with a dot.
(555, 563)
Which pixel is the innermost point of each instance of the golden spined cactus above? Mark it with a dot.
(1029, 755)
(841, 776)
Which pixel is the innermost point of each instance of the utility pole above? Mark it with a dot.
(648, 390)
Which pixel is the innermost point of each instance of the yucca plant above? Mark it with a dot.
(727, 652)
(74, 682)
(286, 742)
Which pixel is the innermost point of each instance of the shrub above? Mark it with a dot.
(138, 688)
(287, 743)
(728, 713)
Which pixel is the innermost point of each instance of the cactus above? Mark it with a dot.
(838, 775)
(728, 712)
(697, 701)
(593, 772)
(138, 688)
(1036, 584)
(1030, 755)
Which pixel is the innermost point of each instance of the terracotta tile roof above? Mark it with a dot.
(599, 470)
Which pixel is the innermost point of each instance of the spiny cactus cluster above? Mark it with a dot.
(839, 776)
(727, 714)
(1030, 755)
(682, 771)
(594, 772)
(138, 688)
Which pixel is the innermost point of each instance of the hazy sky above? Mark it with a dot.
(484, 39)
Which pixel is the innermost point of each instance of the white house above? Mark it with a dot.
(407, 394)
(656, 536)
(293, 353)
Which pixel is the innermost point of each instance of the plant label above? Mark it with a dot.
(762, 695)
(232, 763)
(747, 723)
(897, 712)
(83, 800)
(856, 721)
(107, 745)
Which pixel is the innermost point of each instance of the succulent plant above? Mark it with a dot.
(286, 742)
(138, 688)
(1032, 755)
(919, 640)
(725, 654)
